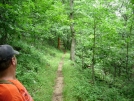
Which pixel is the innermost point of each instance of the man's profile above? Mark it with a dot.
(10, 88)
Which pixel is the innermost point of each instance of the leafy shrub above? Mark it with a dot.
(30, 60)
(128, 90)
(84, 90)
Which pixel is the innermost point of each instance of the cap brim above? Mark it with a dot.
(16, 52)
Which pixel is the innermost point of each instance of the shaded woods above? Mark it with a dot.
(99, 36)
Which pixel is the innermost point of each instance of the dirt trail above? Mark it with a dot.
(57, 94)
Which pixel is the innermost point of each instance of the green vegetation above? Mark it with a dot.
(37, 70)
(69, 72)
(98, 33)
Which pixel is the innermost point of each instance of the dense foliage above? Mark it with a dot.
(104, 36)
(105, 45)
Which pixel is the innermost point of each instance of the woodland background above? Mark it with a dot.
(98, 35)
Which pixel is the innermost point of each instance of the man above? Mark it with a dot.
(10, 88)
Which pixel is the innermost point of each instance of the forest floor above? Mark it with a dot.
(57, 94)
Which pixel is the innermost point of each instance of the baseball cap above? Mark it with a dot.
(6, 52)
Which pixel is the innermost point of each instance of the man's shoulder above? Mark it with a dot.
(7, 88)
(18, 84)
(6, 91)
(9, 91)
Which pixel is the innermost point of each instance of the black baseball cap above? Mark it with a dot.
(7, 52)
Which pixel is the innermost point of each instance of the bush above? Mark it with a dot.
(84, 90)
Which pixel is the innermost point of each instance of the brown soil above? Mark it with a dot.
(57, 94)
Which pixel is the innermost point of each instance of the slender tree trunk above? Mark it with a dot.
(82, 58)
(58, 43)
(119, 74)
(127, 58)
(115, 70)
(63, 1)
(93, 60)
(127, 45)
(131, 27)
(72, 53)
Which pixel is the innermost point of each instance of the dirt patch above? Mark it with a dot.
(57, 94)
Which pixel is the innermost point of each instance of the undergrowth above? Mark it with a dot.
(69, 73)
(37, 68)
(78, 85)
(85, 90)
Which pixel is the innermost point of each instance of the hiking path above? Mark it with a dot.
(57, 93)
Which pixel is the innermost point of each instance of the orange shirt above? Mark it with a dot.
(14, 92)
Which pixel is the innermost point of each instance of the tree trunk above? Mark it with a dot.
(127, 73)
(115, 70)
(72, 53)
(82, 58)
(93, 58)
(58, 43)
(63, 1)
(130, 69)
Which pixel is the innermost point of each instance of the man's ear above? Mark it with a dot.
(13, 60)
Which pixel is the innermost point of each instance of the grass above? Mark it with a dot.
(47, 74)
(69, 79)
(37, 69)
